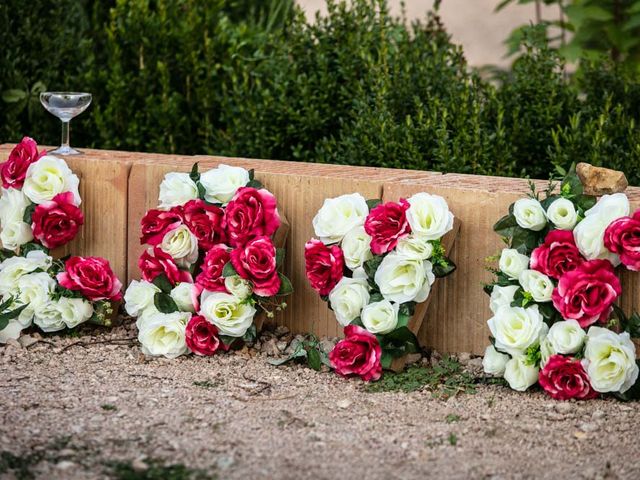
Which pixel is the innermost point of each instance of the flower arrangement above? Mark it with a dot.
(39, 206)
(211, 266)
(373, 262)
(554, 318)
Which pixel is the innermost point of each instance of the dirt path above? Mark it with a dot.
(90, 412)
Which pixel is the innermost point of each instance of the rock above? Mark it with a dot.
(13, 343)
(270, 347)
(327, 344)
(464, 358)
(589, 427)
(601, 181)
(65, 465)
(563, 407)
(475, 363)
(344, 403)
(413, 358)
(281, 331)
(282, 345)
(598, 415)
(27, 340)
(139, 464)
(223, 463)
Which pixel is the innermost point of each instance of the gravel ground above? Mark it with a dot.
(72, 408)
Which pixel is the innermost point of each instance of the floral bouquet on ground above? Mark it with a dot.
(39, 207)
(373, 263)
(210, 272)
(55, 294)
(554, 317)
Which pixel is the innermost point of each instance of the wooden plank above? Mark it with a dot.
(457, 316)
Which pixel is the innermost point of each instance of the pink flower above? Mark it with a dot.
(156, 223)
(324, 265)
(587, 293)
(256, 262)
(557, 255)
(14, 170)
(206, 222)
(154, 262)
(623, 237)
(386, 224)
(564, 378)
(251, 213)
(57, 221)
(210, 277)
(92, 277)
(357, 354)
(201, 336)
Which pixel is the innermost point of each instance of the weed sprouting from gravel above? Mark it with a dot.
(108, 407)
(452, 418)
(207, 383)
(157, 470)
(19, 465)
(445, 379)
(453, 439)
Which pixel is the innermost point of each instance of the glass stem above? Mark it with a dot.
(65, 133)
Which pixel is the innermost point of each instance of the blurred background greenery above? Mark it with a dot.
(357, 85)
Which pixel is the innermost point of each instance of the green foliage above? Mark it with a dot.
(356, 86)
(445, 379)
(157, 470)
(308, 350)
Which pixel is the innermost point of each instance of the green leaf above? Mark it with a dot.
(37, 88)
(280, 254)
(202, 192)
(4, 254)
(165, 303)
(286, 288)
(571, 185)
(14, 95)
(357, 321)
(255, 184)
(314, 359)
(163, 283)
(399, 342)
(385, 360)
(229, 271)
(371, 265)
(6, 317)
(195, 175)
(403, 320)
(251, 334)
(28, 212)
(32, 246)
(504, 227)
(252, 175)
(373, 203)
(440, 270)
(524, 240)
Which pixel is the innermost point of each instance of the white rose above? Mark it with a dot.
(74, 311)
(610, 206)
(515, 329)
(238, 287)
(221, 183)
(49, 318)
(530, 214)
(611, 360)
(48, 177)
(338, 216)
(502, 296)
(348, 298)
(512, 263)
(402, 279)
(177, 189)
(16, 234)
(232, 316)
(164, 334)
(562, 214)
(380, 317)
(139, 296)
(519, 375)
(429, 216)
(546, 351)
(13, 268)
(35, 291)
(537, 284)
(566, 337)
(183, 294)
(182, 245)
(356, 247)
(415, 247)
(494, 362)
(13, 204)
(12, 330)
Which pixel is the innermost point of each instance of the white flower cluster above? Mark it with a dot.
(26, 281)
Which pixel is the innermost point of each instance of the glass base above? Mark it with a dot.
(65, 150)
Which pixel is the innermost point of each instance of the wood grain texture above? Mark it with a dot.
(457, 317)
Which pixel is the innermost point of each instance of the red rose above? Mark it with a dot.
(564, 378)
(201, 336)
(251, 213)
(557, 255)
(587, 293)
(324, 265)
(14, 170)
(623, 237)
(206, 222)
(386, 224)
(156, 223)
(357, 354)
(57, 221)
(256, 262)
(92, 277)
(210, 277)
(154, 262)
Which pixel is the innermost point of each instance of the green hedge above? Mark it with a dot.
(254, 78)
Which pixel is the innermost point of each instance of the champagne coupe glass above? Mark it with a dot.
(65, 106)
